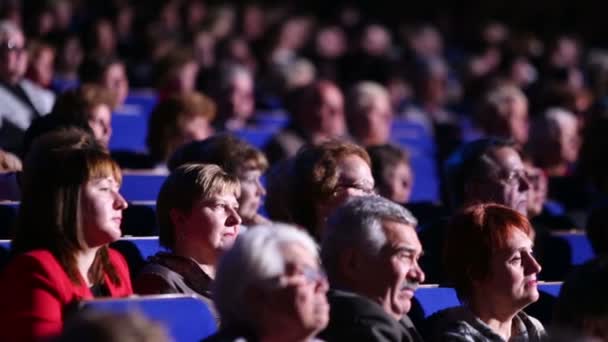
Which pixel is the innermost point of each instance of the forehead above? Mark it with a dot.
(14, 36)
(506, 158)
(295, 253)
(354, 168)
(401, 235)
(517, 239)
(331, 94)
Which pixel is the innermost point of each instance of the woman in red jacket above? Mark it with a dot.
(70, 211)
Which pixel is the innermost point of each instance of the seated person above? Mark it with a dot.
(369, 114)
(109, 73)
(90, 103)
(177, 121)
(322, 178)
(392, 172)
(198, 219)
(236, 157)
(488, 256)
(582, 305)
(70, 211)
(270, 287)
(370, 250)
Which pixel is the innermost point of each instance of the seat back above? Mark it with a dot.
(186, 318)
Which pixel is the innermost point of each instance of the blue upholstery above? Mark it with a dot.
(136, 250)
(421, 147)
(433, 299)
(130, 123)
(580, 246)
(186, 318)
(141, 187)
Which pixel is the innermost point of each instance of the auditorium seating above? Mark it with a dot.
(186, 319)
(141, 187)
(130, 122)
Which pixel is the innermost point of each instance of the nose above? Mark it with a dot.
(416, 273)
(532, 266)
(260, 188)
(524, 183)
(120, 203)
(233, 219)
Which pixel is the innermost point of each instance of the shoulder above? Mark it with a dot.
(30, 86)
(35, 269)
(453, 324)
(122, 269)
(118, 260)
(39, 260)
(534, 328)
(155, 279)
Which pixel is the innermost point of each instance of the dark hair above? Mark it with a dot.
(93, 69)
(473, 236)
(468, 163)
(385, 158)
(583, 296)
(227, 151)
(50, 213)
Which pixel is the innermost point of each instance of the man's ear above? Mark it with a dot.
(350, 263)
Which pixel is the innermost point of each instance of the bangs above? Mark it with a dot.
(501, 226)
(219, 183)
(101, 165)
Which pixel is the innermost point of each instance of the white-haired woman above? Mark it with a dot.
(269, 287)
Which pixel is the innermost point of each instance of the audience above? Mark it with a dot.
(582, 306)
(369, 114)
(489, 259)
(112, 327)
(237, 158)
(70, 210)
(177, 121)
(370, 250)
(108, 72)
(323, 177)
(234, 97)
(392, 172)
(198, 218)
(270, 287)
(21, 100)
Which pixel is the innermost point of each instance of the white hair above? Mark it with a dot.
(8, 28)
(254, 260)
(560, 117)
(362, 95)
(358, 224)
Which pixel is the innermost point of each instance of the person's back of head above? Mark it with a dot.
(582, 305)
(112, 327)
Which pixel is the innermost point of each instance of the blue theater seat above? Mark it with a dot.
(580, 247)
(130, 122)
(421, 147)
(141, 187)
(185, 318)
(139, 219)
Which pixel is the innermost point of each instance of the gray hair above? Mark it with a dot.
(255, 259)
(229, 73)
(8, 29)
(358, 224)
(362, 95)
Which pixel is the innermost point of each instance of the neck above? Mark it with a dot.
(204, 260)
(84, 261)
(497, 317)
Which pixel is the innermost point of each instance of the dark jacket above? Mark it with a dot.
(356, 318)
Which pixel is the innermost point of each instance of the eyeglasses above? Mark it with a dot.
(9, 46)
(367, 189)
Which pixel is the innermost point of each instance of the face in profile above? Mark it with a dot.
(213, 223)
(13, 56)
(400, 182)
(102, 207)
(538, 189)
(354, 179)
(395, 271)
(506, 183)
(376, 123)
(512, 281)
(100, 121)
(252, 192)
(331, 112)
(115, 80)
(242, 98)
(300, 303)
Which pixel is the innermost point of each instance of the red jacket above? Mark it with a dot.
(35, 290)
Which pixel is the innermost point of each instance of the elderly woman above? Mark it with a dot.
(236, 157)
(70, 211)
(488, 256)
(198, 216)
(322, 178)
(270, 287)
